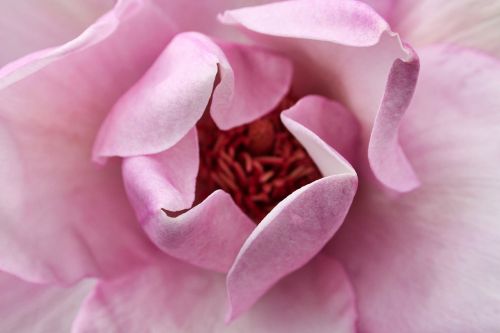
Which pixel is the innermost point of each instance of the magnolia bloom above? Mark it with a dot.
(255, 166)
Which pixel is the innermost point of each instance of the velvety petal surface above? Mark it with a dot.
(165, 103)
(330, 121)
(345, 50)
(166, 180)
(471, 23)
(300, 225)
(428, 261)
(31, 25)
(95, 33)
(172, 96)
(385, 155)
(255, 72)
(174, 297)
(160, 186)
(384, 8)
(32, 308)
(61, 213)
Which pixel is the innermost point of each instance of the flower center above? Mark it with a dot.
(259, 163)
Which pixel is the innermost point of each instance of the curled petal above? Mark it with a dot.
(329, 120)
(299, 226)
(166, 180)
(172, 96)
(208, 235)
(165, 104)
(173, 297)
(353, 65)
(386, 157)
(428, 261)
(255, 72)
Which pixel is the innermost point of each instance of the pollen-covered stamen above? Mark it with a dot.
(259, 164)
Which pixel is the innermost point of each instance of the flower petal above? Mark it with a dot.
(166, 180)
(299, 226)
(384, 8)
(60, 214)
(172, 297)
(208, 235)
(429, 261)
(32, 308)
(165, 104)
(257, 72)
(386, 157)
(330, 121)
(471, 23)
(27, 26)
(95, 33)
(172, 96)
(316, 34)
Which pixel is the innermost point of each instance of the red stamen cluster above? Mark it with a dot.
(259, 164)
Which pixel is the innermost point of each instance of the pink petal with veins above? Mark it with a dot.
(300, 225)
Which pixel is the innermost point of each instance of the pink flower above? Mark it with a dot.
(213, 167)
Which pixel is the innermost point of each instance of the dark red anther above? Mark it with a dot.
(259, 164)
(261, 136)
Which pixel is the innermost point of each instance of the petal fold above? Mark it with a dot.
(172, 96)
(345, 50)
(299, 226)
(329, 120)
(255, 72)
(386, 157)
(159, 186)
(165, 103)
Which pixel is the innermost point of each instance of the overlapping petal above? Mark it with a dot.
(165, 104)
(428, 261)
(159, 186)
(172, 96)
(330, 121)
(300, 225)
(60, 213)
(173, 297)
(257, 72)
(317, 35)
